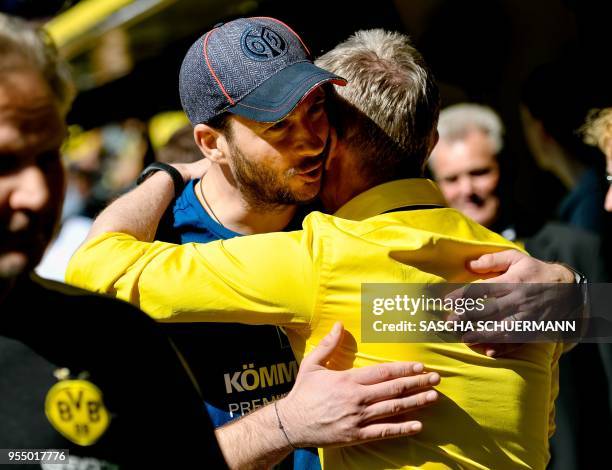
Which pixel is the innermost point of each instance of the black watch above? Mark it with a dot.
(176, 176)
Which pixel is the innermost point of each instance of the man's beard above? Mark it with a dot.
(263, 188)
(21, 250)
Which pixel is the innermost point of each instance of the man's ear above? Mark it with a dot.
(211, 142)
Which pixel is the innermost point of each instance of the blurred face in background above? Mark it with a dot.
(608, 201)
(31, 173)
(468, 175)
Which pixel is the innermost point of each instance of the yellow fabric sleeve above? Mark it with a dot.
(262, 279)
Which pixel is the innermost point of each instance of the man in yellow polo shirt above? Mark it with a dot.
(390, 227)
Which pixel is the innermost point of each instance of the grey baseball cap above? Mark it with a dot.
(256, 67)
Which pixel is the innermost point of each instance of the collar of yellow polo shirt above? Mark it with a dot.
(391, 197)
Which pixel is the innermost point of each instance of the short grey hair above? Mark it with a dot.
(460, 119)
(22, 45)
(390, 83)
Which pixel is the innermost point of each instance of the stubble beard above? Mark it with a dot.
(262, 188)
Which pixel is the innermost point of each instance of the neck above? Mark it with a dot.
(224, 202)
(339, 194)
(342, 180)
(6, 285)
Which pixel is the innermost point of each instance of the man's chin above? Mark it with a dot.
(307, 192)
(483, 218)
(15, 263)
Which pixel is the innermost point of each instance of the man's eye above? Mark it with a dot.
(480, 172)
(278, 126)
(317, 107)
(8, 163)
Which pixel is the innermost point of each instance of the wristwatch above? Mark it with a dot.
(177, 178)
(583, 284)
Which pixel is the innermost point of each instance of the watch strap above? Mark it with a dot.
(177, 178)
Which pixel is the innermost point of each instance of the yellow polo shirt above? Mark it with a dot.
(493, 413)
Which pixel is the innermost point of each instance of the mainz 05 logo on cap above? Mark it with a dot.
(263, 44)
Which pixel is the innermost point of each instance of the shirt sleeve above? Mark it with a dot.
(554, 389)
(261, 279)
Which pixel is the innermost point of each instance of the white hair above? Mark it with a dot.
(460, 119)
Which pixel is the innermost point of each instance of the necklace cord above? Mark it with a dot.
(206, 202)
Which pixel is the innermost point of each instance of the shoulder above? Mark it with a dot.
(186, 198)
(69, 304)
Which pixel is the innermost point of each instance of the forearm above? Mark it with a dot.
(254, 441)
(138, 212)
(331, 408)
(166, 280)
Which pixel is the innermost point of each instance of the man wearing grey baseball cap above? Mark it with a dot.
(256, 102)
(257, 68)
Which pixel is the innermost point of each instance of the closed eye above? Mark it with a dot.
(280, 125)
(8, 163)
(317, 107)
(480, 171)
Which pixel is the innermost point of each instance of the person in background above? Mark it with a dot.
(180, 148)
(553, 140)
(465, 163)
(597, 131)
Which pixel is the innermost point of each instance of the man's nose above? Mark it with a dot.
(31, 191)
(465, 185)
(311, 137)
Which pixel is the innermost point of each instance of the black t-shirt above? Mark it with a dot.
(126, 401)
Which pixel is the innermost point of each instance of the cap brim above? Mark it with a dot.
(280, 94)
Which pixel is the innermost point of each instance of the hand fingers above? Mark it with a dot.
(497, 350)
(320, 355)
(493, 337)
(469, 291)
(456, 294)
(383, 372)
(494, 262)
(492, 310)
(398, 406)
(374, 432)
(400, 387)
(496, 300)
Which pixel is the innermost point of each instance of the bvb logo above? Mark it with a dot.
(263, 44)
(76, 410)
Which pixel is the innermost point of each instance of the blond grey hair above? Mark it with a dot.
(24, 45)
(390, 83)
(597, 130)
(460, 119)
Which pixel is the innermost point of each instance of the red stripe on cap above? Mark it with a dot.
(232, 102)
(289, 28)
